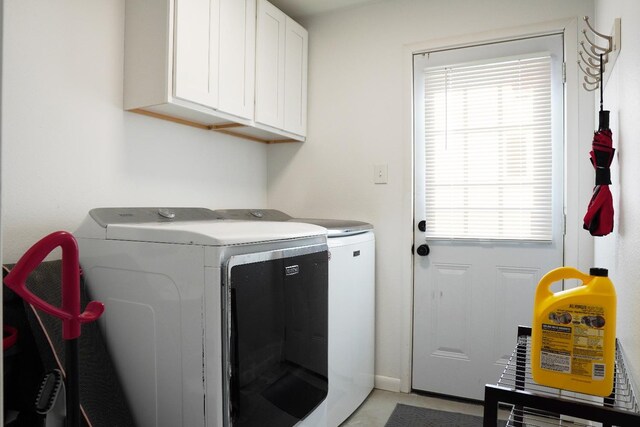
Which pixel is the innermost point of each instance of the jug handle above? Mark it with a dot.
(556, 275)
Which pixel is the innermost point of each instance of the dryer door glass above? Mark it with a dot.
(277, 343)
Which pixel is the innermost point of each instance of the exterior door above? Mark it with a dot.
(489, 217)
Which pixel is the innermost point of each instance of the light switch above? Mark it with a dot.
(379, 174)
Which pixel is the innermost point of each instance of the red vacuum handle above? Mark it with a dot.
(70, 311)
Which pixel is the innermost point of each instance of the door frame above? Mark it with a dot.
(578, 119)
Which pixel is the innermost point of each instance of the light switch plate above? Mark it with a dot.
(379, 174)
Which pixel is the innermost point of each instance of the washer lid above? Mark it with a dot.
(108, 216)
(335, 227)
(338, 227)
(213, 233)
(252, 214)
(194, 226)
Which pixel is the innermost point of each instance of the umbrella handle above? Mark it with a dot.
(70, 310)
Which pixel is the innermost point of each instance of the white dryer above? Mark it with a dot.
(351, 315)
(351, 306)
(211, 323)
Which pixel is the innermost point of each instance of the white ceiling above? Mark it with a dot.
(306, 8)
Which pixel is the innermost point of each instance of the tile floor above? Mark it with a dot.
(375, 411)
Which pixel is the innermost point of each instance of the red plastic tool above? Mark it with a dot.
(69, 313)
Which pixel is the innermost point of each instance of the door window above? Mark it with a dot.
(488, 151)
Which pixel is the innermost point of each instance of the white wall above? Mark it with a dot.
(359, 117)
(620, 251)
(68, 146)
(1, 69)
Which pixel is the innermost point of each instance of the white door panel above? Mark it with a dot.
(470, 294)
(196, 51)
(270, 63)
(295, 88)
(513, 285)
(237, 57)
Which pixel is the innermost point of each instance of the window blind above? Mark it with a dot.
(488, 150)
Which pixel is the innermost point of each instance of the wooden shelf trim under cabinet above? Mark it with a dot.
(225, 128)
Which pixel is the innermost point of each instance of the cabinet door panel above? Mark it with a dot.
(270, 57)
(196, 52)
(295, 88)
(237, 56)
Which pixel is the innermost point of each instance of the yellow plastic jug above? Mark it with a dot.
(573, 332)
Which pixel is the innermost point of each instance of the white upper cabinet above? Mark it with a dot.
(281, 71)
(197, 51)
(237, 55)
(270, 63)
(295, 83)
(191, 59)
(194, 62)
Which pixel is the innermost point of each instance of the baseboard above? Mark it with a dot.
(387, 383)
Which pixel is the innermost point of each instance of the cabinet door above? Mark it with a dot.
(270, 60)
(237, 28)
(196, 51)
(295, 84)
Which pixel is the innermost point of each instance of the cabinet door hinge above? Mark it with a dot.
(564, 72)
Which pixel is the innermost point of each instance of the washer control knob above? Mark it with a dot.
(166, 213)
(257, 214)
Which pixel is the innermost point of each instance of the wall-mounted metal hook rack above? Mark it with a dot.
(592, 60)
(598, 55)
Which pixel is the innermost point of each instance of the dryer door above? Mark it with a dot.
(276, 329)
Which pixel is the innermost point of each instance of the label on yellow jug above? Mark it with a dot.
(573, 341)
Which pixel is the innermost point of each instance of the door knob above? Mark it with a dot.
(423, 250)
(422, 225)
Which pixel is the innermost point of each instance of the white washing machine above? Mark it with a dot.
(211, 323)
(351, 307)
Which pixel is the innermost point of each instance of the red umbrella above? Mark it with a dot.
(599, 217)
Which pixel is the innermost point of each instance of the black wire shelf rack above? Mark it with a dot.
(534, 405)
